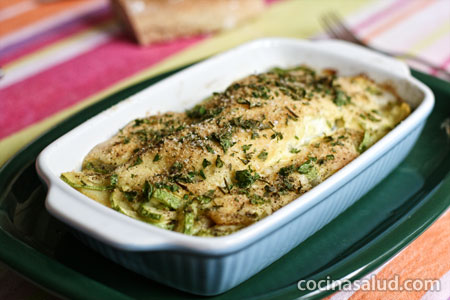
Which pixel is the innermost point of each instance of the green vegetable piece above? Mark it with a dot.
(82, 181)
(156, 158)
(166, 198)
(149, 212)
(368, 140)
(312, 174)
(189, 220)
(121, 204)
(113, 180)
(130, 196)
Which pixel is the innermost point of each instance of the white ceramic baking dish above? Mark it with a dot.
(209, 266)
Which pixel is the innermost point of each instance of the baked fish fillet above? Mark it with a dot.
(242, 154)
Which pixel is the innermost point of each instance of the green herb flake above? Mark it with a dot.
(201, 113)
(242, 101)
(245, 148)
(263, 155)
(210, 149)
(294, 150)
(219, 162)
(207, 197)
(157, 157)
(224, 140)
(138, 161)
(277, 135)
(374, 90)
(90, 166)
(197, 112)
(341, 98)
(139, 122)
(245, 178)
(205, 163)
(176, 167)
(285, 171)
(147, 190)
(256, 199)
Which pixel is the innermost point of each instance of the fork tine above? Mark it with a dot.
(329, 28)
(349, 35)
(335, 27)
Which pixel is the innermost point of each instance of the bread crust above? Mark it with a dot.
(161, 20)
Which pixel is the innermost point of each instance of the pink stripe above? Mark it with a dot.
(64, 30)
(444, 65)
(59, 87)
(380, 15)
(54, 35)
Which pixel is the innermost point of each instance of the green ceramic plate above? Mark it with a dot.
(378, 226)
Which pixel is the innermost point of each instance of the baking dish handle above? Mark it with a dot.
(370, 56)
(94, 220)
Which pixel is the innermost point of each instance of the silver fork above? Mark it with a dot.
(336, 28)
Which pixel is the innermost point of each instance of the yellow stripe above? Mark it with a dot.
(59, 46)
(291, 18)
(440, 32)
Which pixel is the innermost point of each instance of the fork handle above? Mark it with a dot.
(413, 58)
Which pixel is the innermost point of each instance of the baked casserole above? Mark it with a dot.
(242, 153)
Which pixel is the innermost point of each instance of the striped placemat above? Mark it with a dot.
(60, 56)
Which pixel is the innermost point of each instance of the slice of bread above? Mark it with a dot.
(162, 20)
